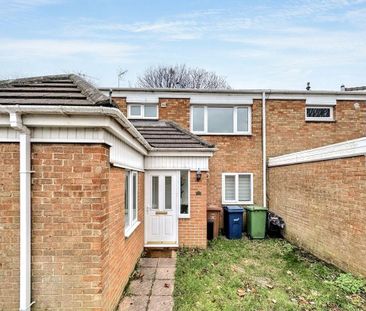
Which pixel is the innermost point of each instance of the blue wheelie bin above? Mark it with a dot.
(233, 221)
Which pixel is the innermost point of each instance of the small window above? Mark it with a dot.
(221, 120)
(142, 111)
(131, 202)
(198, 119)
(150, 111)
(319, 113)
(168, 192)
(155, 192)
(135, 111)
(237, 188)
(184, 194)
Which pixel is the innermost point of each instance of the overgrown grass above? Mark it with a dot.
(262, 275)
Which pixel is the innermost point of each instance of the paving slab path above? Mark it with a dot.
(153, 290)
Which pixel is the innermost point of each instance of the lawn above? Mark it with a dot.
(262, 275)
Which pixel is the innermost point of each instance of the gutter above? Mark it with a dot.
(25, 210)
(258, 92)
(115, 113)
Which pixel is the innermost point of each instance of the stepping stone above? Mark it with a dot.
(161, 303)
(140, 287)
(167, 262)
(148, 262)
(134, 303)
(163, 288)
(165, 273)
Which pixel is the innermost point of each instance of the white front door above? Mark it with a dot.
(161, 208)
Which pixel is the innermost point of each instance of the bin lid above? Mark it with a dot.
(233, 208)
(256, 208)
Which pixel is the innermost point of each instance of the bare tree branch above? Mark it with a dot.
(181, 76)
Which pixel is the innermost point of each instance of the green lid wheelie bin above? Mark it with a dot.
(256, 221)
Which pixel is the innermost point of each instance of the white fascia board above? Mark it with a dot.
(176, 153)
(199, 98)
(319, 100)
(114, 113)
(4, 120)
(215, 99)
(350, 148)
(142, 99)
(83, 122)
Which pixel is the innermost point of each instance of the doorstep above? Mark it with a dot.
(153, 288)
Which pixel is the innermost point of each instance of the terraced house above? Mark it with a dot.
(90, 178)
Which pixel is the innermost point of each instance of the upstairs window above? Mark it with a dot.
(221, 120)
(237, 188)
(316, 113)
(142, 111)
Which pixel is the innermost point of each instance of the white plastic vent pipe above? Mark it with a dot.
(264, 149)
(25, 211)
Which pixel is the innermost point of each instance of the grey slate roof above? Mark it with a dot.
(65, 90)
(168, 134)
(356, 88)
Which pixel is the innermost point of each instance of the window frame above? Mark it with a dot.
(319, 119)
(188, 215)
(142, 109)
(132, 222)
(235, 119)
(236, 201)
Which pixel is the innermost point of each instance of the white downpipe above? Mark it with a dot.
(25, 211)
(264, 149)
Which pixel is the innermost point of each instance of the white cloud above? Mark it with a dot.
(56, 49)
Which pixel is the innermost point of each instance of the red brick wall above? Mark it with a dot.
(323, 205)
(9, 226)
(69, 195)
(80, 257)
(193, 231)
(177, 110)
(121, 103)
(287, 130)
(237, 154)
(120, 254)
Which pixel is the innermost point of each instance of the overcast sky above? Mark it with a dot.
(254, 44)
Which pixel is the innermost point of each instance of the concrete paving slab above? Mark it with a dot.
(140, 287)
(147, 273)
(161, 303)
(167, 262)
(163, 288)
(149, 262)
(134, 303)
(165, 273)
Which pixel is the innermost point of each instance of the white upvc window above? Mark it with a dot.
(131, 202)
(221, 120)
(142, 111)
(184, 208)
(319, 113)
(237, 188)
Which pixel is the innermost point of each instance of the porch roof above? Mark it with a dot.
(168, 134)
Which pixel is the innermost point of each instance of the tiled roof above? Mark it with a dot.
(167, 134)
(356, 88)
(65, 90)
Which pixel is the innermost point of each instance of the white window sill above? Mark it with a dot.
(130, 230)
(320, 120)
(184, 216)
